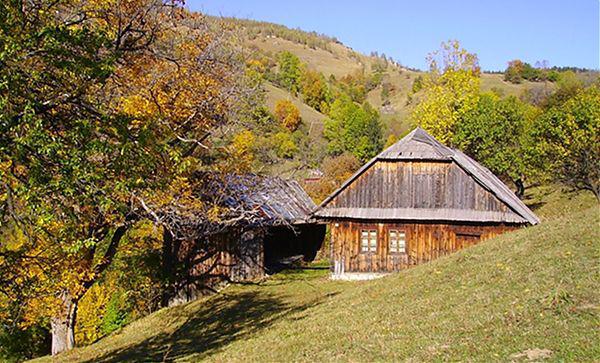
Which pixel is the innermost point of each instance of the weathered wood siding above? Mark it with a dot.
(242, 256)
(232, 255)
(424, 242)
(417, 184)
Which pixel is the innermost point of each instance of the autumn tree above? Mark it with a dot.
(391, 140)
(241, 152)
(315, 91)
(567, 140)
(336, 169)
(497, 134)
(354, 85)
(450, 90)
(517, 71)
(514, 71)
(106, 108)
(288, 114)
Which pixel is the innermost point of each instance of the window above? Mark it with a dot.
(397, 241)
(368, 240)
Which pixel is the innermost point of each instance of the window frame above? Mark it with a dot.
(370, 248)
(398, 232)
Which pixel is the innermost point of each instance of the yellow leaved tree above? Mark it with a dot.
(107, 108)
(450, 90)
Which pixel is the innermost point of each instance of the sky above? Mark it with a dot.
(565, 33)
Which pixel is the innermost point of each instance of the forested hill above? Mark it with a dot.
(313, 71)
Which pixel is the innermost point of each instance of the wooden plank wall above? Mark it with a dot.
(417, 184)
(424, 242)
(233, 255)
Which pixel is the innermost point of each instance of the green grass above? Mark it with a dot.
(536, 288)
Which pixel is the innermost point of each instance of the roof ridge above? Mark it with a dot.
(478, 172)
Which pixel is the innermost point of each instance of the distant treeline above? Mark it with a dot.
(311, 39)
(517, 71)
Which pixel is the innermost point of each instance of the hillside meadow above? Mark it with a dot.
(121, 148)
(527, 295)
(338, 60)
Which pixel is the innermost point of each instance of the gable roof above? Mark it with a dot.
(417, 145)
(420, 146)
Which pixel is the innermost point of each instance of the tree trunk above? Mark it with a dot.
(63, 325)
(168, 260)
(520, 188)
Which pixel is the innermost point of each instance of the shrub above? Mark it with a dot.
(288, 114)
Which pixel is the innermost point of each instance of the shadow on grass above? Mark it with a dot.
(535, 205)
(219, 322)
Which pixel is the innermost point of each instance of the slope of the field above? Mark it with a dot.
(339, 60)
(326, 55)
(311, 117)
(533, 294)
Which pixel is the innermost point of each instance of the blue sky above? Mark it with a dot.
(563, 32)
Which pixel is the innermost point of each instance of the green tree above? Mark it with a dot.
(290, 71)
(285, 147)
(567, 141)
(353, 128)
(568, 85)
(496, 133)
(417, 84)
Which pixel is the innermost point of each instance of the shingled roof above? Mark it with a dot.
(420, 146)
(275, 199)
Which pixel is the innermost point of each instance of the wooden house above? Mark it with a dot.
(270, 226)
(413, 202)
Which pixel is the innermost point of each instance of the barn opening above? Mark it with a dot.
(269, 228)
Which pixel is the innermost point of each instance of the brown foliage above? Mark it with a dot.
(336, 170)
(288, 114)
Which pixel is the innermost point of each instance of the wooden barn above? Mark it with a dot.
(269, 226)
(413, 202)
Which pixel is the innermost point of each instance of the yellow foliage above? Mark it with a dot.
(92, 308)
(288, 114)
(175, 88)
(450, 96)
(391, 140)
(241, 151)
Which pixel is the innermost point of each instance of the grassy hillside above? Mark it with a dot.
(337, 60)
(328, 56)
(530, 294)
(311, 117)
